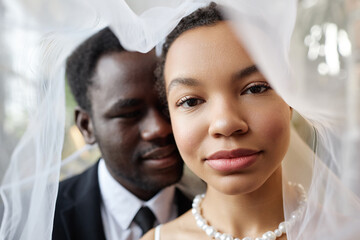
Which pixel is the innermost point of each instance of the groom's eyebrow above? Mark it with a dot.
(122, 104)
(182, 81)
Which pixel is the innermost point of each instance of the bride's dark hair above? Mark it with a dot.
(206, 16)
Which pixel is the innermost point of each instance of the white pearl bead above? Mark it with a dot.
(258, 238)
(200, 223)
(223, 236)
(210, 231)
(229, 237)
(269, 235)
(282, 227)
(277, 232)
(236, 238)
(247, 238)
(194, 211)
(197, 199)
(217, 235)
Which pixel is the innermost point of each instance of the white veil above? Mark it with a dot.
(307, 50)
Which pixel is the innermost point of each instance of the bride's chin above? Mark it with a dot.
(234, 186)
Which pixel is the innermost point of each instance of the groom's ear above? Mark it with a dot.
(84, 123)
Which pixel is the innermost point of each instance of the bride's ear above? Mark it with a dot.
(84, 123)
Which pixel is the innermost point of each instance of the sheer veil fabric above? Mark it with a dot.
(308, 50)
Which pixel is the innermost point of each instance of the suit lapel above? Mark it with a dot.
(82, 218)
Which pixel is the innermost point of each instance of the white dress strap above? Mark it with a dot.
(157, 232)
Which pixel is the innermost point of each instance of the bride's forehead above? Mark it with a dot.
(207, 42)
(214, 33)
(207, 47)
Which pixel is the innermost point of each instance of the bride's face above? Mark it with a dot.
(231, 128)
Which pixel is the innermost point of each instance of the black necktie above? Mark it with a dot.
(145, 219)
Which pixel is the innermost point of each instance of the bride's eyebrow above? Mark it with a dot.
(245, 72)
(182, 81)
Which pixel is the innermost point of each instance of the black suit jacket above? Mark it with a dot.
(77, 212)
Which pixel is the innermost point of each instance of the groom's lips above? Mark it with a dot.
(161, 157)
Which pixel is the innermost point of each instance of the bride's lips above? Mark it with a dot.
(233, 160)
(161, 157)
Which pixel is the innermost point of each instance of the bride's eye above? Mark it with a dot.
(257, 88)
(189, 102)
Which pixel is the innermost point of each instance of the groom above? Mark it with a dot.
(130, 189)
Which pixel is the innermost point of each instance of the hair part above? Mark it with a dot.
(81, 64)
(206, 16)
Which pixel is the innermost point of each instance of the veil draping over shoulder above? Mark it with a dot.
(308, 50)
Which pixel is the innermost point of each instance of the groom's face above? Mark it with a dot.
(128, 123)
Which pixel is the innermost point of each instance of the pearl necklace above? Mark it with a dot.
(270, 235)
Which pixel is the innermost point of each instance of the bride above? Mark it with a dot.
(232, 130)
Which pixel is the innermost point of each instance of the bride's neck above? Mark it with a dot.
(249, 214)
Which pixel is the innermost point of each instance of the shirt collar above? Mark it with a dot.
(123, 205)
(162, 204)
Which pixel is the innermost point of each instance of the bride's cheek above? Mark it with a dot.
(276, 130)
(186, 137)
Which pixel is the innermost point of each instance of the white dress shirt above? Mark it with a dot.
(119, 207)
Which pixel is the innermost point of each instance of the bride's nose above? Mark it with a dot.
(227, 120)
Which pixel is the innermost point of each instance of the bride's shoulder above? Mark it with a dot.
(181, 223)
(150, 235)
(183, 227)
